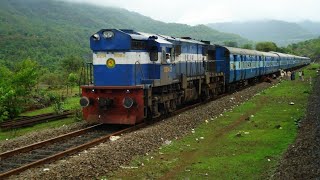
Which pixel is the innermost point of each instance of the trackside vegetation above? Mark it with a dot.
(244, 143)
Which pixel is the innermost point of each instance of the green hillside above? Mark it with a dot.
(280, 32)
(309, 48)
(48, 30)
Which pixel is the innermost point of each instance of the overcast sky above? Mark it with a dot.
(195, 12)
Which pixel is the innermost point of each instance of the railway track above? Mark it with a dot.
(24, 121)
(18, 160)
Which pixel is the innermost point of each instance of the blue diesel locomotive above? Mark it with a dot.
(137, 76)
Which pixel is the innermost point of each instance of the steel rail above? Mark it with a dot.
(31, 120)
(45, 142)
(69, 151)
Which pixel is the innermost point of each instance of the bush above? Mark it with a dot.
(58, 105)
(78, 116)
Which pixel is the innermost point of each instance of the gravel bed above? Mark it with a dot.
(302, 159)
(108, 157)
(39, 136)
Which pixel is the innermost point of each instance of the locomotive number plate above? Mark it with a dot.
(101, 55)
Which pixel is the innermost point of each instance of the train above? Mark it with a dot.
(139, 76)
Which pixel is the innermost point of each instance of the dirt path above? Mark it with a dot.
(302, 160)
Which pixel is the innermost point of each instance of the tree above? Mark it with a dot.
(247, 46)
(26, 76)
(73, 79)
(230, 43)
(16, 87)
(6, 92)
(53, 80)
(266, 46)
(71, 64)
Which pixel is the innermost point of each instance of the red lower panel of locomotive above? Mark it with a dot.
(113, 105)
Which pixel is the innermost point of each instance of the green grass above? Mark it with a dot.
(224, 155)
(69, 104)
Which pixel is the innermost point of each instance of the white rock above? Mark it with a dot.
(128, 167)
(114, 138)
(252, 115)
(167, 142)
(291, 103)
(46, 169)
(269, 160)
(201, 138)
(246, 132)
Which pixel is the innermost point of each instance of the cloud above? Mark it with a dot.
(210, 11)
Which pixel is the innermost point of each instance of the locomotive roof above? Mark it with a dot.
(145, 36)
(161, 38)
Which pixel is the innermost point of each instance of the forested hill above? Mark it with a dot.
(309, 48)
(280, 32)
(48, 30)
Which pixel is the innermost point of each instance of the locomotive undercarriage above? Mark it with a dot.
(162, 100)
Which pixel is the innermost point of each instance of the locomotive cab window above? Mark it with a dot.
(153, 53)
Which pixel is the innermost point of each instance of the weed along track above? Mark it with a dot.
(18, 160)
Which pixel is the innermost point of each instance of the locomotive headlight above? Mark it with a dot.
(96, 37)
(84, 101)
(127, 102)
(108, 34)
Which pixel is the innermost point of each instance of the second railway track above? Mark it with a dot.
(24, 121)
